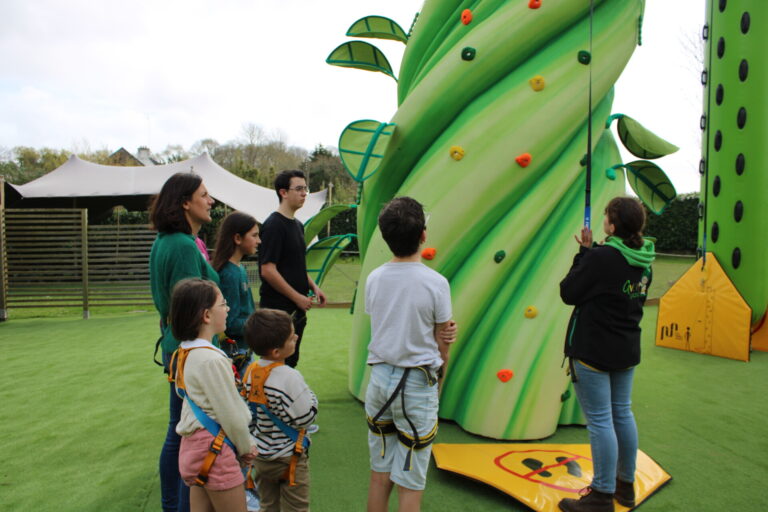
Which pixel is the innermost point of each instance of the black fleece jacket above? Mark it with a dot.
(609, 293)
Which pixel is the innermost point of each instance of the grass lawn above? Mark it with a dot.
(84, 412)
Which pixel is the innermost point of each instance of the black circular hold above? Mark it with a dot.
(702, 166)
(745, 22)
(468, 53)
(716, 186)
(738, 211)
(720, 48)
(584, 57)
(741, 117)
(740, 164)
(736, 258)
(703, 121)
(719, 94)
(718, 140)
(743, 70)
(722, 5)
(715, 232)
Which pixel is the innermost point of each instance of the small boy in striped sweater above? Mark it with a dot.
(287, 408)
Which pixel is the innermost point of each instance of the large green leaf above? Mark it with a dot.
(360, 55)
(377, 27)
(323, 254)
(362, 146)
(313, 226)
(651, 185)
(639, 140)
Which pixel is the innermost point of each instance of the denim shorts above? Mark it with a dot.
(421, 404)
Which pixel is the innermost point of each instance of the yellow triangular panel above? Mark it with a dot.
(539, 475)
(703, 312)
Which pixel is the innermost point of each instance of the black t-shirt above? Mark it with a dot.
(282, 243)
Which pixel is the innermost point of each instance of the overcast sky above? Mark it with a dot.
(88, 75)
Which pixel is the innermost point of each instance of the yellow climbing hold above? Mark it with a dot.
(457, 152)
(537, 83)
(531, 312)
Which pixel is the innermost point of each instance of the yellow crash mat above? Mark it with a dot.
(539, 475)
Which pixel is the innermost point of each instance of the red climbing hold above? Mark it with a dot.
(505, 375)
(523, 160)
(429, 253)
(534, 4)
(466, 16)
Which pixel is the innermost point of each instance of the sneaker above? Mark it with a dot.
(252, 500)
(590, 501)
(625, 493)
(312, 429)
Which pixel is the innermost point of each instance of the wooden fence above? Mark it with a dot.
(53, 258)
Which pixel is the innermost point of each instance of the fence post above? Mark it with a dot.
(84, 257)
(3, 256)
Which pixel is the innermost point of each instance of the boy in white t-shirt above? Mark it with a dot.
(411, 328)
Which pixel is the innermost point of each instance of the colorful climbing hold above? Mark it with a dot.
(537, 83)
(466, 16)
(534, 4)
(499, 256)
(468, 53)
(505, 375)
(457, 152)
(429, 253)
(531, 312)
(610, 173)
(566, 395)
(584, 57)
(523, 160)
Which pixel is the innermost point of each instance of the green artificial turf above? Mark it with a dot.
(84, 413)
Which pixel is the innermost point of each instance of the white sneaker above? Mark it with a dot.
(252, 500)
(312, 429)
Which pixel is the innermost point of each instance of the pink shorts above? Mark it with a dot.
(225, 472)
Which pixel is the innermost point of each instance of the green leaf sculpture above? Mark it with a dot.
(360, 55)
(362, 145)
(639, 140)
(313, 226)
(651, 185)
(377, 27)
(323, 254)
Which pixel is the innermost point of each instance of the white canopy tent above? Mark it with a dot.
(78, 178)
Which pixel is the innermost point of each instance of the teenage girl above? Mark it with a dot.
(608, 284)
(238, 237)
(198, 312)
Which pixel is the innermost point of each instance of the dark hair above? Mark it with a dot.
(267, 329)
(628, 218)
(166, 212)
(401, 222)
(283, 180)
(236, 223)
(189, 300)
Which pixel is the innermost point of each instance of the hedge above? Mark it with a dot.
(676, 229)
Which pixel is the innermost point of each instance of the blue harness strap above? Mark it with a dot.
(205, 420)
(289, 431)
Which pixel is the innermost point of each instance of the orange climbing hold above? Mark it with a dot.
(537, 83)
(534, 4)
(523, 160)
(429, 253)
(505, 375)
(466, 16)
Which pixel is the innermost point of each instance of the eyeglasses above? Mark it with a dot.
(223, 304)
(300, 189)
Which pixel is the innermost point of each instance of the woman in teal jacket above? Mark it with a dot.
(177, 213)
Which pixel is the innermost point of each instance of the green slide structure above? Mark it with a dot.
(491, 135)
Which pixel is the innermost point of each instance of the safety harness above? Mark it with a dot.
(176, 375)
(385, 427)
(257, 375)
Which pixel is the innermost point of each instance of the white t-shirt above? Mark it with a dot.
(405, 300)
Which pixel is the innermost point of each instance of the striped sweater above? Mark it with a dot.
(290, 399)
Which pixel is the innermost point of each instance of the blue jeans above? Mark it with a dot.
(606, 400)
(174, 492)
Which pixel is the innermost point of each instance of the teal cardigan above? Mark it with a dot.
(174, 256)
(237, 293)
